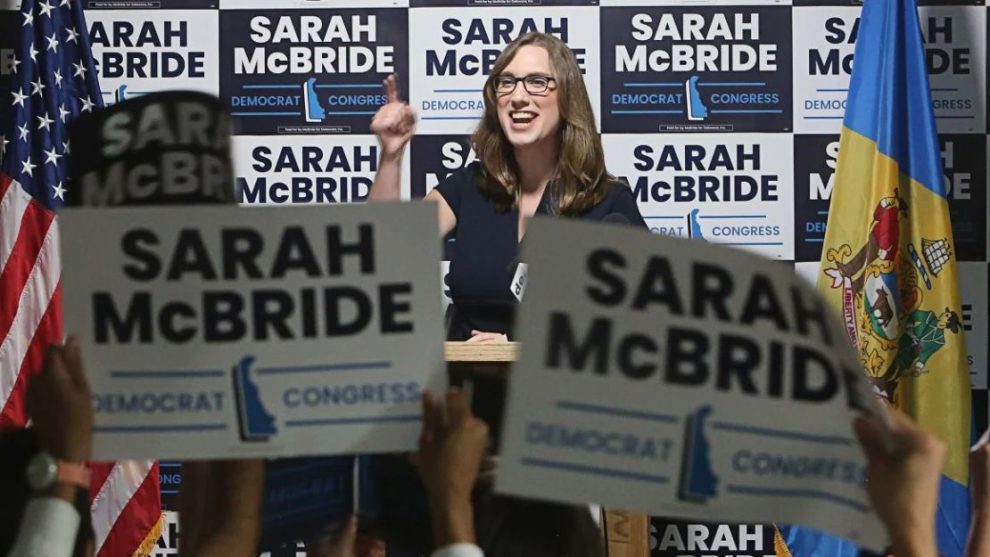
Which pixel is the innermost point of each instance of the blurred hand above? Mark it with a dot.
(395, 122)
(978, 544)
(903, 485)
(450, 451)
(59, 404)
(346, 543)
(449, 459)
(979, 470)
(484, 336)
(221, 503)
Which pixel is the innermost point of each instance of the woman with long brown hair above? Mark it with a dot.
(538, 152)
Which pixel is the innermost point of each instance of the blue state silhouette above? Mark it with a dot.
(695, 225)
(256, 423)
(698, 479)
(696, 108)
(314, 109)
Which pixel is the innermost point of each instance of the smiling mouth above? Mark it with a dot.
(522, 116)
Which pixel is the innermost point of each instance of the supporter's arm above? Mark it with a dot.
(49, 528)
(346, 543)
(979, 470)
(228, 523)
(394, 124)
(192, 504)
(903, 485)
(62, 416)
(450, 453)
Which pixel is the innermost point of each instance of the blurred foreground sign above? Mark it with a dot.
(215, 332)
(683, 379)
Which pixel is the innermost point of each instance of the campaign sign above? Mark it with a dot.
(815, 160)
(458, 41)
(808, 270)
(966, 183)
(860, 2)
(824, 43)
(682, 538)
(696, 68)
(168, 542)
(955, 52)
(434, 157)
(9, 34)
(231, 332)
(973, 295)
(728, 189)
(170, 482)
(142, 51)
(683, 379)
(92, 5)
(304, 169)
(304, 496)
(309, 71)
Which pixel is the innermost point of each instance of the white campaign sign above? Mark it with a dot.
(955, 52)
(231, 332)
(683, 379)
(733, 189)
(145, 51)
(456, 48)
(299, 169)
(973, 294)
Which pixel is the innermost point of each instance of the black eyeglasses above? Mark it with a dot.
(535, 84)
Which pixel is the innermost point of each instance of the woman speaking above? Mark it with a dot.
(538, 153)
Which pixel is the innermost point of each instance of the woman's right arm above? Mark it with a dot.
(395, 124)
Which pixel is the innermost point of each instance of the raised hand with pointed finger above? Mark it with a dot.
(395, 121)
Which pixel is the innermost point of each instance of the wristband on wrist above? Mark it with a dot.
(45, 471)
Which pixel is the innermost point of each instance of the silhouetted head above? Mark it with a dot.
(170, 148)
(511, 526)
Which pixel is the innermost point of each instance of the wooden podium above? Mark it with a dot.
(626, 533)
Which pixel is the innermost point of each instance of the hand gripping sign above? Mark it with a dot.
(684, 379)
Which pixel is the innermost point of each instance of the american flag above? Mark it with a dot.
(53, 79)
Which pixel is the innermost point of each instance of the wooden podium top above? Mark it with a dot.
(481, 351)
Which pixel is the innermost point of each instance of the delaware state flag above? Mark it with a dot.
(888, 262)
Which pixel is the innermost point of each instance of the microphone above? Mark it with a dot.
(518, 270)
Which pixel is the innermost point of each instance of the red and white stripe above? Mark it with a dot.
(125, 494)
(30, 295)
(125, 504)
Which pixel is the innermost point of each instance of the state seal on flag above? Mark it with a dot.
(882, 298)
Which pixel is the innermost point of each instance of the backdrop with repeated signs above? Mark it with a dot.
(722, 115)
